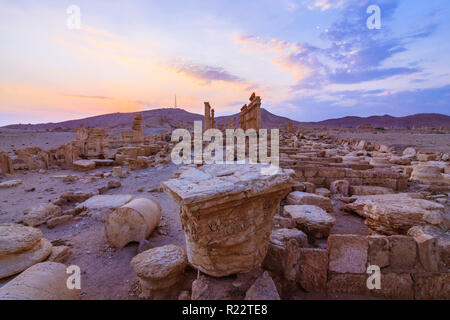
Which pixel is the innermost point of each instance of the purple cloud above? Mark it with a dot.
(205, 72)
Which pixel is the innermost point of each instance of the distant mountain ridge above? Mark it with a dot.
(175, 117)
(431, 120)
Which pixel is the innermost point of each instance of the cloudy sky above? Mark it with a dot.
(308, 59)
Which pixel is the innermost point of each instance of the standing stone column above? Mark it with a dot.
(207, 124)
(227, 214)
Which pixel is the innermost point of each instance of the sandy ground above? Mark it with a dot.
(11, 140)
(106, 272)
(402, 140)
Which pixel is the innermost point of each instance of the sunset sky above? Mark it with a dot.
(309, 60)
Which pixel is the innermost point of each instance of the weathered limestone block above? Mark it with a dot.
(283, 252)
(10, 184)
(340, 187)
(369, 190)
(324, 192)
(106, 201)
(362, 145)
(404, 161)
(310, 171)
(304, 187)
(283, 222)
(59, 254)
(72, 197)
(429, 174)
(227, 214)
(38, 215)
(433, 246)
(160, 271)
(395, 286)
(209, 288)
(117, 172)
(43, 281)
(34, 157)
(432, 286)
(348, 283)
(16, 238)
(53, 222)
(131, 152)
(84, 165)
(121, 158)
(132, 222)
(311, 219)
(263, 289)
(313, 267)
(426, 156)
(380, 162)
(381, 182)
(304, 198)
(410, 152)
(350, 173)
(347, 253)
(112, 184)
(396, 213)
(14, 263)
(403, 254)
(139, 163)
(6, 165)
(378, 253)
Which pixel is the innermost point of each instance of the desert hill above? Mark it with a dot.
(176, 117)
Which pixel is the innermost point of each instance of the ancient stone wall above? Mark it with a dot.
(324, 175)
(404, 262)
(209, 117)
(250, 117)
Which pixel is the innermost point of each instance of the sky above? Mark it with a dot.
(309, 60)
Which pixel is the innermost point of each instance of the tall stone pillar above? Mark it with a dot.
(207, 116)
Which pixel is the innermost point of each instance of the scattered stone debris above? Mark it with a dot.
(39, 214)
(396, 213)
(334, 207)
(263, 289)
(106, 201)
(10, 184)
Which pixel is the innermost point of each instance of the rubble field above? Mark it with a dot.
(140, 227)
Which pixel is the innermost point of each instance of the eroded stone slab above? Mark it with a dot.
(311, 219)
(106, 201)
(16, 238)
(10, 184)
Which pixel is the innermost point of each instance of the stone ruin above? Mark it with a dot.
(209, 117)
(250, 117)
(227, 215)
(92, 148)
(249, 235)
